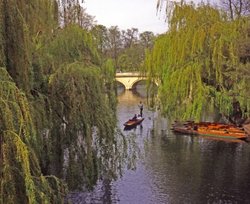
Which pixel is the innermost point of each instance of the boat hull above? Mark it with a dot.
(209, 129)
(133, 123)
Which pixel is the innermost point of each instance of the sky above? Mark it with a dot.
(126, 14)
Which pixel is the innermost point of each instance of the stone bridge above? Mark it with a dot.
(129, 79)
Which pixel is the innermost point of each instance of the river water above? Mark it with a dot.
(171, 168)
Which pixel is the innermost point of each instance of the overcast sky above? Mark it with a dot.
(141, 14)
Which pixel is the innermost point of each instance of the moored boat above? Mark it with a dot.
(209, 129)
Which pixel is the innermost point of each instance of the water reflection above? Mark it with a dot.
(184, 169)
(168, 168)
(140, 126)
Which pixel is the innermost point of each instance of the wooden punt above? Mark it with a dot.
(132, 123)
(209, 129)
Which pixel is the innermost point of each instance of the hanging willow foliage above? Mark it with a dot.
(2, 56)
(82, 116)
(67, 126)
(108, 73)
(71, 44)
(67, 57)
(23, 27)
(15, 43)
(196, 62)
(20, 176)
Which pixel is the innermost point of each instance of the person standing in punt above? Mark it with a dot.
(140, 105)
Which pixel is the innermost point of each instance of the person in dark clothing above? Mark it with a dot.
(140, 105)
(135, 117)
(236, 117)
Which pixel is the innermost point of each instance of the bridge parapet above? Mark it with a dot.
(128, 79)
(129, 74)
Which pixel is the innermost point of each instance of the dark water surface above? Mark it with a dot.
(174, 168)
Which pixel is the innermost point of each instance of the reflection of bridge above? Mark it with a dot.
(129, 79)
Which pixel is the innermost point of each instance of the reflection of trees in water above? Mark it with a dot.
(140, 92)
(124, 156)
(144, 90)
(120, 88)
(126, 153)
(202, 170)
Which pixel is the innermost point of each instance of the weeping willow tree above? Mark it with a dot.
(81, 105)
(20, 175)
(21, 26)
(15, 44)
(108, 74)
(62, 124)
(196, 63)
(2, 55)
(70, 44)
(82, 115)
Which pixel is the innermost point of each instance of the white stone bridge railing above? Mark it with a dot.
(129, 79)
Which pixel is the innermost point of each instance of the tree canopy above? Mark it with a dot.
(198, 63)
(57, 102)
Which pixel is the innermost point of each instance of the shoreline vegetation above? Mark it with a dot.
(202, 64)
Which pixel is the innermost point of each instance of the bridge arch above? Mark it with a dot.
(130, 79)
(136, 82)
(120, 84)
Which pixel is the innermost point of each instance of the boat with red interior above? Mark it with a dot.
(209, 129)
(133, 122)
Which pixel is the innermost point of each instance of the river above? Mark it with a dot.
(174, 169)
